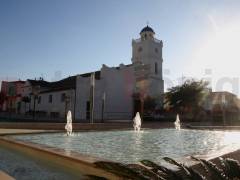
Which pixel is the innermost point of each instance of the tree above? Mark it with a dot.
(149, 104)
(186, 97)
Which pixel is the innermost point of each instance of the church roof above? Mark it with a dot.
(64, 84)
(147, 29)
(67, 83)
(97, 74)
(41, 83)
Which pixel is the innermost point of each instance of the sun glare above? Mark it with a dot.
(221, 47)
(219, 52)
(231, 137)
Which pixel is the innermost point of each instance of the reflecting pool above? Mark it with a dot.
(131, 147)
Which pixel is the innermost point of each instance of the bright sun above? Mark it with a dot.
(219, 51)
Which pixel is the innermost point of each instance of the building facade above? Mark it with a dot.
(218, 101)
(114, 93)
(120, 91)
(49, 99)
(13, 95)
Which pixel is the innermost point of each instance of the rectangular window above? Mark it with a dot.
(39, 99)
(156, 68)
(63, 96)
(50, 98)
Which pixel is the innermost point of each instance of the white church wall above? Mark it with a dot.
(119, 87)
(83, 96)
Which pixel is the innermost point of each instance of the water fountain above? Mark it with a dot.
(177, 123)
(137, 122)
(68, 126)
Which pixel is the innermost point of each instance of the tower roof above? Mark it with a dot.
(147, 29)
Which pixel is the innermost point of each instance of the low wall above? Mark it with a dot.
(74, 163)
(84, 126)
(5, 176)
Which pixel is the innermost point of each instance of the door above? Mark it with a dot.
(136, 106)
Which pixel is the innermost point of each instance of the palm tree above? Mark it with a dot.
(224, 169)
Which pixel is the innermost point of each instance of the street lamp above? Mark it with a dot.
(92, 84)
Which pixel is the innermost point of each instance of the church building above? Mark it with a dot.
(119, 92)
(114, 93)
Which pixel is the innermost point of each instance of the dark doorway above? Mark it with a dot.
(136, 106)
(88, 110)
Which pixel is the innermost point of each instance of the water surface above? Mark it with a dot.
(131, 147)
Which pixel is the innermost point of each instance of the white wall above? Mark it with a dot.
(57, 105)
(118, 85)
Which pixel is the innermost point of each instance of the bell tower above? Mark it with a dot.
(147, 60)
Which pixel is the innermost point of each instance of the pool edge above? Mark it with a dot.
(83, 164)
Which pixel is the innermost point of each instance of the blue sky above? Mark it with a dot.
(39, 38)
